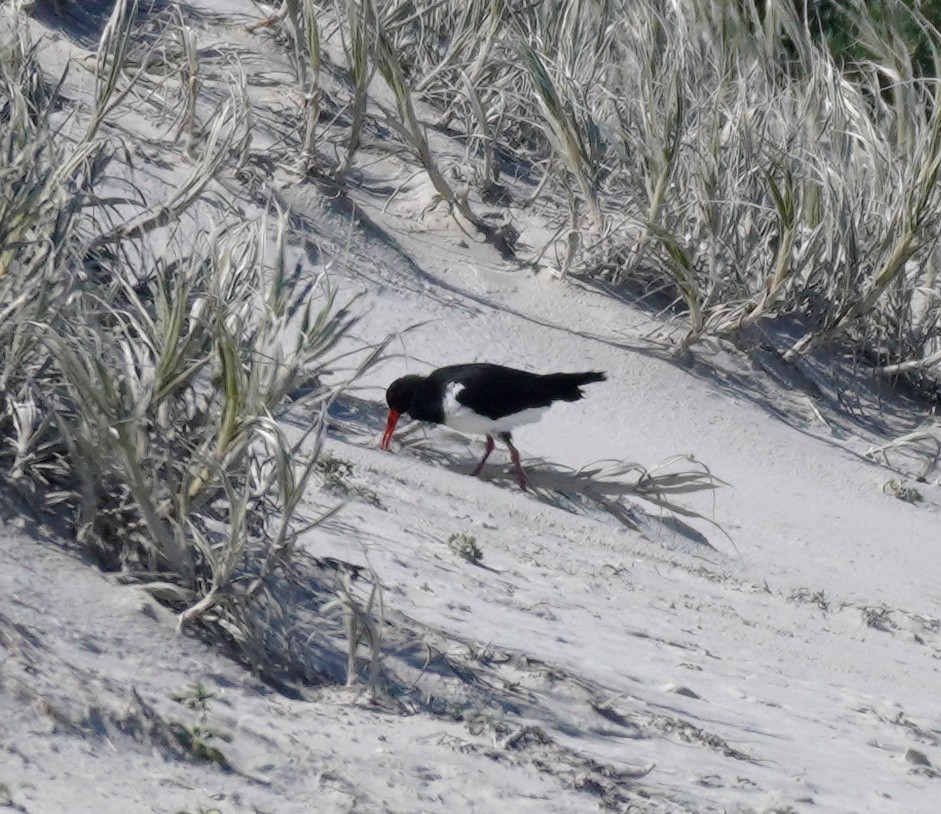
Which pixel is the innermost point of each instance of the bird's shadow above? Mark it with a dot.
(605, 485)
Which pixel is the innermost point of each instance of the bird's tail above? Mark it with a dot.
(566, 386)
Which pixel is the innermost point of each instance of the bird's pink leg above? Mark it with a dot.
(514, 454)
(486, 455)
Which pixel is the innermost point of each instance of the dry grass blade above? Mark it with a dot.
(114, 48)
(228, 137)
(305, 21)
(683, 276)
(659, 485)
(603, 482)
(45, 181)
(364, 622)
(413, 132)
(355, 42)
(929, 436)
(570, 142)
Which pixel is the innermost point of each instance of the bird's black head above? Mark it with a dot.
(401, 393)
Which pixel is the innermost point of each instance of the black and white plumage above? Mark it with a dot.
(482, 399)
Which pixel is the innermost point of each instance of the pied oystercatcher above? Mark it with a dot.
(482, 399)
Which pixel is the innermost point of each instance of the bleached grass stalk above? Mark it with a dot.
(114, 48)
(229, 136)
(360, 68)
(413, 133)
(407, 121)
(930, 436)
(490, 174)
(682, 273)
(785, 266)
(569, 139)
(291, 9)
(663, 161)
(363, 622)
(189, 66)
(307, 56)
(44, 180)
(308, 27)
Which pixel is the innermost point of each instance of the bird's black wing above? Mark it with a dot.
(495, 391)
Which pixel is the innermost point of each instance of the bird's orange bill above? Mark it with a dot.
(390, 428)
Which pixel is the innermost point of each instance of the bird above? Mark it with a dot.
(482, 399)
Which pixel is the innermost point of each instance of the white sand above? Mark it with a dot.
(790, 664)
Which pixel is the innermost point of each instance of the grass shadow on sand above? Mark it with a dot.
(83, 21)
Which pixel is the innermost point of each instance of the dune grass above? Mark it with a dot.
(723, 160)
(145, 363)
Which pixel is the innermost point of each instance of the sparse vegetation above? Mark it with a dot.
(363, 621)
(337, 475)
(144, 366)
(335, 472)
(197, 697)
(925, 442)
(713, 159)
(465, 546)
(807, 596)
(197, 740)
(879, 617)
(899, 490)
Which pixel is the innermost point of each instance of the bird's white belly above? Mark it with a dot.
(463, 419)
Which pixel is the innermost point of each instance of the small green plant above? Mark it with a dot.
(810, 597)
(336, 473)
(896, 488)
(465, 546)
(197, 740)
(196, 696)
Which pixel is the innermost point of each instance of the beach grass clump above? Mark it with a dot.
(731, 164)
(145, 363)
